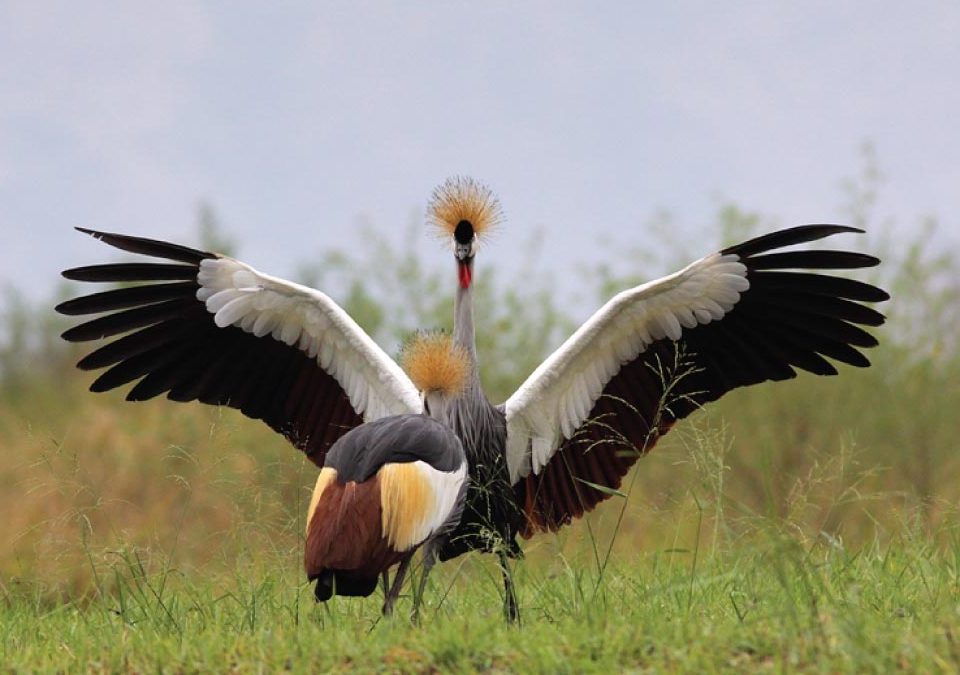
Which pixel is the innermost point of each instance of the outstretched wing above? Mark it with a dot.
(210, 328)
(655, 353)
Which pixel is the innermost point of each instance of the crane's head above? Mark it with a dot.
(438, 368)
(465, 211)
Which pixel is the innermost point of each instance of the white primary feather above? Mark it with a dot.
(557, 398)
(272, 308)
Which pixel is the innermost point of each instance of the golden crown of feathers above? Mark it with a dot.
(435, 363)
(462, 198)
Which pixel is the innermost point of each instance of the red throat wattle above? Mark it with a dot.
(465, 272)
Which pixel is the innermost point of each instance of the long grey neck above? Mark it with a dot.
(463, 331)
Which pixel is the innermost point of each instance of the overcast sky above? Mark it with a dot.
(297, 120)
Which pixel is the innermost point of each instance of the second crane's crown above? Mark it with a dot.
(463, 202)
(435, 363)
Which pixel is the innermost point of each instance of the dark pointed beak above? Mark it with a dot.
(463, 251)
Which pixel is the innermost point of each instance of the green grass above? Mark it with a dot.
(766, 603)
(169, 538)
(158, 537)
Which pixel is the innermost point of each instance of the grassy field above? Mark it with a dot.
(168, 537)
(764, 604)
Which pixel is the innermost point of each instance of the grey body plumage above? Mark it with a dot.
(491, 518)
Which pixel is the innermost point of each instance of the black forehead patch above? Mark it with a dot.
(463, 233)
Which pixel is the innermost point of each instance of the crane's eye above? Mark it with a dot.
(463, 232)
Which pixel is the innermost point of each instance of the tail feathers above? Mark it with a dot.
(341, 582)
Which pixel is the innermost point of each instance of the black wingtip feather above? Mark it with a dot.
(788, 237)
(127, 320)
(828, 260)
(123, 298)
(131, 272)
(820, 284)
(813, 303)
(151, 247)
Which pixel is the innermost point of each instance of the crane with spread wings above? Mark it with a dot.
(196, 325)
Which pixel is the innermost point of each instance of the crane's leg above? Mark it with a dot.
(429, 558)
(385, 582)
(510, 607)
(397, 583)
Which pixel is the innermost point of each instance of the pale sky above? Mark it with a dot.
(297, 120)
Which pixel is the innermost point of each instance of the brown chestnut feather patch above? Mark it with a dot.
(327, 475)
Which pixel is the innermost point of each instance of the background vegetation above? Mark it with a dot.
(782, 510)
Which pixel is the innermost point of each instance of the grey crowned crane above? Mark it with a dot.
(649, 357)
(387, 488)
(209, 328)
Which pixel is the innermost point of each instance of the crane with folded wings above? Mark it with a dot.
(203, 326)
